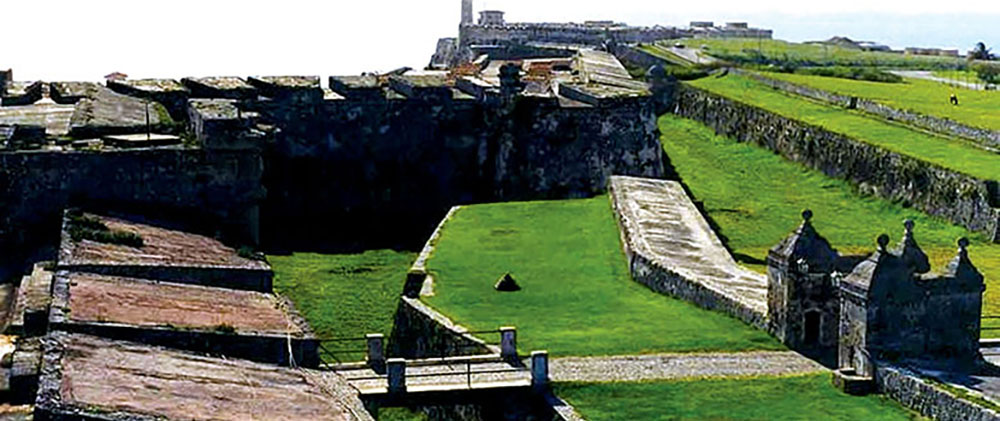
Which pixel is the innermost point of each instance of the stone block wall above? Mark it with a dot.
(960, 198)
(221, 277)
(350, 169)
(216, 190)
(667, 282)
(917, 394)
(270, 349)
(634, 57)
(419, 331)
(5, 76)
(987, 138)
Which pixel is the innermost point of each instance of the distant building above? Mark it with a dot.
(707, 29)
(491, 17)
(492, 31)
(873, 46)
(918, 51)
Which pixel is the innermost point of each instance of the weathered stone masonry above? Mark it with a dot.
(35, 187)
(963, 199)
(987, 138)
(374, 161)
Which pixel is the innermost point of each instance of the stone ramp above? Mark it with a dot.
(673, 250)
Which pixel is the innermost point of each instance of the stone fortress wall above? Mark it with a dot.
(960, 198)
(988, 139)
(374, 155)
(35, 187)
(337, 166)
(492, 30)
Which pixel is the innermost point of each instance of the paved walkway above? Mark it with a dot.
(679, 366)
(921, 74)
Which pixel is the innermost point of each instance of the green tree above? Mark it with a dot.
(987, 72)
(980, 52)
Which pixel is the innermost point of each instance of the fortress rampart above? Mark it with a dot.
(283, 162)
(960, 198)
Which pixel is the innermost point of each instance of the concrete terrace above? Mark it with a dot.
(659, 222)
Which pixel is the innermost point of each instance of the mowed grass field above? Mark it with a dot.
(756, 198)
(808, 397)
(948, 153)
(749, 49)
(344, 295)
(976, 108)
(577, 295)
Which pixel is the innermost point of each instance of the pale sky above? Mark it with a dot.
(84, 40)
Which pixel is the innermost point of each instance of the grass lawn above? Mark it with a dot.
(948, 153)
(577, 296)
(756, 198)
(344, 295)
(401, 414)
(745, 50)
(809, 397)
(976, 108)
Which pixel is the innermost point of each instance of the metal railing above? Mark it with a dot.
(468, 374)
(335, 353)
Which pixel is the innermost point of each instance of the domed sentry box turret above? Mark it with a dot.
(802, 308)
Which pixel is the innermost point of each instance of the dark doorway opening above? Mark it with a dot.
(812, 327)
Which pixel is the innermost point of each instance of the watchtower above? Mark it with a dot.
(803, 311)
(466, 12)
(5, 77)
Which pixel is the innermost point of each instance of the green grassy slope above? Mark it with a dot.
(948, 153)
(577, 296)
(756, 198)
(809, 397)
(777, 51)
(976, 108)
(344, 295)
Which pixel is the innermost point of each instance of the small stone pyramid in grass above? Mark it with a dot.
(506, 283)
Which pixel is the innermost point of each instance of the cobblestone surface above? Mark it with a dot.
(679, 366)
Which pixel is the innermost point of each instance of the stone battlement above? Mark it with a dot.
(324, 163)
